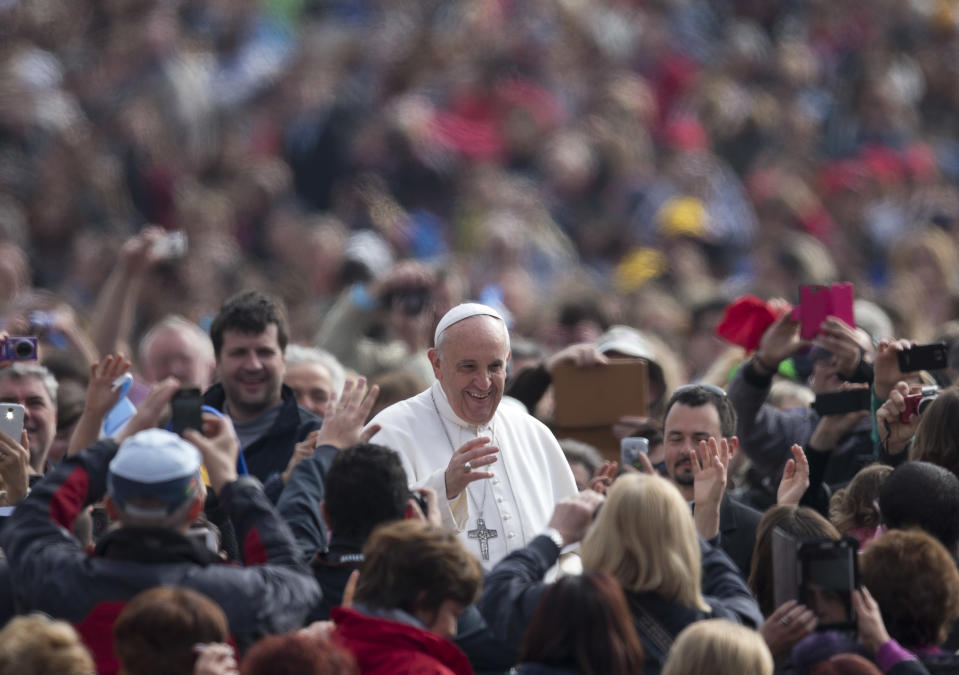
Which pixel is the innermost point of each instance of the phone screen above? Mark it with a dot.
(187, 413)
(827, 580)
(630, 449)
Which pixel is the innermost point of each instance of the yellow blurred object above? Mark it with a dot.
(205, 475)
(683, 216)
(640, 266)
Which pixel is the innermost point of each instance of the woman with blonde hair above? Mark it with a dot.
(646, 538)
(38, 645)
(720, 647)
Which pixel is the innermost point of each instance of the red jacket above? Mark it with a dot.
(384, 647)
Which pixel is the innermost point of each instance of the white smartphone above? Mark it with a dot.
(11, 420)
(630, 449)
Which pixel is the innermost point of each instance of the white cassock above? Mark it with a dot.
(529, 477)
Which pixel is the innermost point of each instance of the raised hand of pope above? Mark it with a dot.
(465, 462)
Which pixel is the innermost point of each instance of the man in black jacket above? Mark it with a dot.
(154, 488)
(249, 339)
(695, 414)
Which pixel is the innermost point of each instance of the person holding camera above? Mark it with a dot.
(386, 323)
(153, 486)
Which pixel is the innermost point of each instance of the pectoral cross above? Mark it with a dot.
(484, 535)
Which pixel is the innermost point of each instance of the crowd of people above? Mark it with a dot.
(361, 240)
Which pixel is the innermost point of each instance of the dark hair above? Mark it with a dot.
(799, 521)
(413, 565)
(582, 623)
(249, 312)
(157, 629)
(854, 505)
(696, 395)
(924, 495)
(298, 654)
(365, 487)
(916, 585)
(572, 311)
(935, 440)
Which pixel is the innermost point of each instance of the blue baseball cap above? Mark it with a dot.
(156, 468)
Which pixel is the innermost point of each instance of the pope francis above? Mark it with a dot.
(498, 471)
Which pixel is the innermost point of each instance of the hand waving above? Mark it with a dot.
(795, 480)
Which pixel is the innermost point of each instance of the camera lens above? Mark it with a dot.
(924, 403)
(23, 349)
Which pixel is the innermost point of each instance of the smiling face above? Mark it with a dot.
(40, 416)
(684, 428)
(470, 364)
(251, 369)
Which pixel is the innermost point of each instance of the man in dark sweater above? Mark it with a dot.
(249, 339)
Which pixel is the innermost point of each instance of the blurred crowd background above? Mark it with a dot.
(578, 162)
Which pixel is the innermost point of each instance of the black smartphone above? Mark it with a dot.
(421, 501)
(842, 402)
(187, 413)
(933, 356)
(828, 575)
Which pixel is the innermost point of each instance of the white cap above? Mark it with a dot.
(462, 312)
(158, 464)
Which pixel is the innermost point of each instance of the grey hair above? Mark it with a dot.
(20, 370)
(583, 453)
(176, 323)
(296, 354)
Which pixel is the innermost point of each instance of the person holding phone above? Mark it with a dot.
(837, 445)
(151, 484)
(35, 388)
(14, 469)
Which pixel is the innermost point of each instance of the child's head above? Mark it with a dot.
(854, 506)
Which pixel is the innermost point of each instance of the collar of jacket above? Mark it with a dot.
(289, 416)
(153, 545)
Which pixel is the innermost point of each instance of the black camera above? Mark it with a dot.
(19, 349)
(412, 301)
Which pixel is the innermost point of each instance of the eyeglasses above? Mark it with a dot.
(699, 386)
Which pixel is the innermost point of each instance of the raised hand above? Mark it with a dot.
(604, 477)
(886, 366)
(843, 342)
(780, 341)
(219, 446)
(462, 469)
(572, 516)
(795, 479)
(345, 417)
(15, 467)
(581, 355)
(301, 451)
(101, 394)
(894, 434)
(709, 483)
(872, 630)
